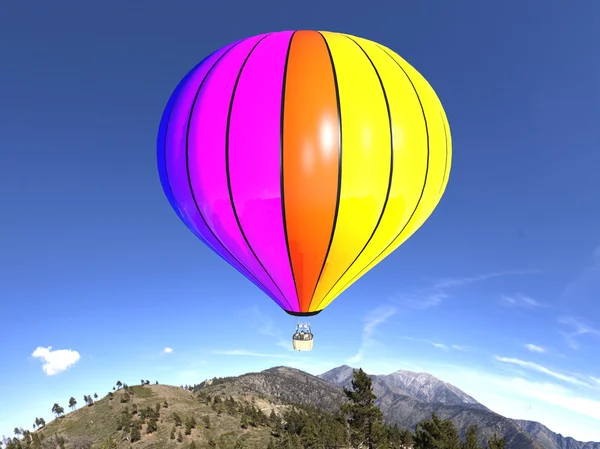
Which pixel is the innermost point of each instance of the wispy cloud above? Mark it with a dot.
(167, 351)
(264, 325)
(460, 348)
(542, 369)
(56, 361)
(372, 320)
(243, 352)
(432, 296)
(457, 282)
(577, 327)
(521, 300)
(535, 348)
(437, 344)
(555, 395)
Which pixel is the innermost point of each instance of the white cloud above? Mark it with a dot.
(167, 351)
(460, 348)
(457, 282)
(372, 320)
(535, 348)
(577, 328)
(263, 325)
(56, 361)
(542, 369)
(521, 300)
(555, 395)
(243, 352)
(435, 294)
(557, 407)
(438, 345)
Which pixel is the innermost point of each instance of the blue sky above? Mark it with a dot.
(497, 293)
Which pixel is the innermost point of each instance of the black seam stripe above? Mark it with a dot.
(237, 218)
(424, 180)
(187, 168)
(445, 152)
(389, 186)
(282, 153)
(339, 190)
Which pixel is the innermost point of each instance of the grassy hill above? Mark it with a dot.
(278, 408)
(110, 421)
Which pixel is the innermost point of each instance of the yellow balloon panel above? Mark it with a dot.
(422, 158)
(365, 156)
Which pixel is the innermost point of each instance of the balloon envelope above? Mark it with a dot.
(304, 158)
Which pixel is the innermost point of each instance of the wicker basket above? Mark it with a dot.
(303, 345)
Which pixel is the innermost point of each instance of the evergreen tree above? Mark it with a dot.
(57, 410)
(135, 434)
(363, 414)
(471, 438)
(177, 419)
(72, 403)
(406, 439)
(436, 434)
(497, 443)
(152, 426)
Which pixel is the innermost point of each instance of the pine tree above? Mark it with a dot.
(364, 415)
(471, 438)
(497, 443)
(135, 434)
(177, 419)
(436, 434)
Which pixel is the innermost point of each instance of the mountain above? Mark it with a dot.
(239, 418)
(406, 398)
(549, 439)
(420, 386)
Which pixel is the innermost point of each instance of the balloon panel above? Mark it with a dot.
(303, 159)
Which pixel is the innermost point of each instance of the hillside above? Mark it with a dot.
(101, 424)
(250, 411)
(553, 440)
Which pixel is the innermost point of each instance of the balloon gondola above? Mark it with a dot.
(303, 159)
(303, 338)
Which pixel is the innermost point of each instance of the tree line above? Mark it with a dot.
(358, 423)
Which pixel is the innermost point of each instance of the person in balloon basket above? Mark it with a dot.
(300, 334)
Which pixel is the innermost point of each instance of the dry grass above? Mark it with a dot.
(99, 421)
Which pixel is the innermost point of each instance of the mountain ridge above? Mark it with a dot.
(404, 397)
(453, 403)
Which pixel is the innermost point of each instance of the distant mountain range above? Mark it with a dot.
(404, 397)
(407, 398)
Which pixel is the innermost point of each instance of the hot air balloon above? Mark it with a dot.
(304, 158)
